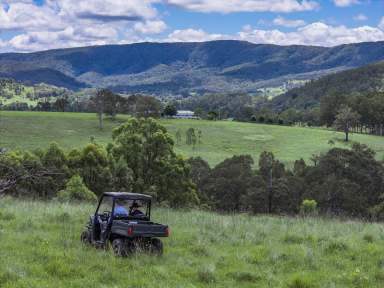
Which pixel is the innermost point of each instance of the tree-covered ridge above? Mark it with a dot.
(365, 79)
(182, 68)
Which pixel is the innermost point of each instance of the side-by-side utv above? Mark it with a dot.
(123, 220)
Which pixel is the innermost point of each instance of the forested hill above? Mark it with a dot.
(182, 68)
(369, 78)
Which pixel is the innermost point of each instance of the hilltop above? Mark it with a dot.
(183, 68)
(365, 79)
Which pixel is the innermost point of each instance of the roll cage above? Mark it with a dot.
(134, 197)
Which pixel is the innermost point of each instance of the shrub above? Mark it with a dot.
(308, 207)
(299, 282)
(368, 238)
(75, 189)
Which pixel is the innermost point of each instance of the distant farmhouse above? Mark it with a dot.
(185, 114)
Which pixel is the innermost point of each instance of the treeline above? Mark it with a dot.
(368, 106)
(244, 107)
(140, 158)
(341, 182)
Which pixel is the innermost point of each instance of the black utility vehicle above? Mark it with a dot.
(124, 221)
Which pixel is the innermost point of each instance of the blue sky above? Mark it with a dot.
(31, 25)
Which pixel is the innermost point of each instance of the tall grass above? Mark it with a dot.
(40, 247)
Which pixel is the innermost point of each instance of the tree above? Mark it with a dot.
(178, 136)
(345, 120)
(147, 106)
(212, 115)
(92, 164)
(98, 101)
(113, 103)
(228, 182)
(170, 110)
(147, 148)
(61, 103)
(75, 189)
(199, 136)
(265, 170)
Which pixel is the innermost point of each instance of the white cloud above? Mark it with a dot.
(229, 6)
(192, 35)
(280, 21)
(318, 34)
(360, 17)
(69, 23)
(150, 27)
(345, 3)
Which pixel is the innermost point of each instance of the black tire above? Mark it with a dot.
(157, 246)
(85, 237)
(119, 247)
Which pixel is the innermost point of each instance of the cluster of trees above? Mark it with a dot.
(368, 109)
(140, 159)
(192, 136)
(342, 182)
(244, 107)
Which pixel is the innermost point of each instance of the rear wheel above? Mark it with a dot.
(157, 246)
(119, 247)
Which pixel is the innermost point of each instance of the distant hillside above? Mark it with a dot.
(364, 79)
(13, 92)
(182, 68)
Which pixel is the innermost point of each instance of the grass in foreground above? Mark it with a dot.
(40, 247)
(221, 139)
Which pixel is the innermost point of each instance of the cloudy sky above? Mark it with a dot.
(32, 25)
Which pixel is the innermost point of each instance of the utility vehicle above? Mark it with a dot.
(123, 220)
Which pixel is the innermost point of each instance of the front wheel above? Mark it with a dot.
(157, 246)
(85, 237)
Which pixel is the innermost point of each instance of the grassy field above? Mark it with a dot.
(40, 247)
(221, 139)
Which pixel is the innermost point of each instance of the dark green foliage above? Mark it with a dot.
(227, 183)
(355, 81)
(222, 106)
(198, 171)
(343, 182)
(170, 110)
(346, 181)
(92, 164)
(147, 149)
(75, 189)
(140, 159)
(345, 120)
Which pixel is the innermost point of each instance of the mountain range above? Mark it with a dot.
(184, 68)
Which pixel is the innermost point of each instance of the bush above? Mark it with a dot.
(75, 189)
(308, 207)
(300, 282)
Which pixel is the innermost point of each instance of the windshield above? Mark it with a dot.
(125, 208)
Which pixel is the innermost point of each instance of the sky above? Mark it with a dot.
(34, 25)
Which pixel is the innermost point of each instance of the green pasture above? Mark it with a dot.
(220, 139)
